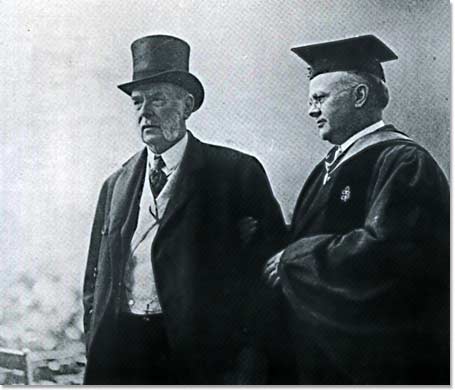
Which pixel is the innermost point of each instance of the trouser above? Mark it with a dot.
(142, 352)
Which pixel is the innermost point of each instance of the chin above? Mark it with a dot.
(151, 140)
(325, 134)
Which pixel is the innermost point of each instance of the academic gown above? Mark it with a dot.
(366, 276)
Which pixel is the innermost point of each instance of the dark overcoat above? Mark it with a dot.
(208, 281)
(366, 276)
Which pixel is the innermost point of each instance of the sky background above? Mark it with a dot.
(65, 126)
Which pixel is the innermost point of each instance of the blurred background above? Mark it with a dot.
(65, 126)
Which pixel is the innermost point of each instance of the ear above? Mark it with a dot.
(361, 92)
(189, 104)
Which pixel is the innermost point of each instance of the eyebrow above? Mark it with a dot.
(155, 95)
(319, 94)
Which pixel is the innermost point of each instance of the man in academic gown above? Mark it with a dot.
(172, 290)
(365, 274)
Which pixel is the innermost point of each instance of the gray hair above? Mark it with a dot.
(379, 93)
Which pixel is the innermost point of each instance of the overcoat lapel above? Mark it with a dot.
(128, 190)
(125, 204)
(185, 185)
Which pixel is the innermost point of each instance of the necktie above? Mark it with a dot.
(157, 176)
(330, 159)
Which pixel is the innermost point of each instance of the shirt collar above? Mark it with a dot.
(173, 156)
(375, 126)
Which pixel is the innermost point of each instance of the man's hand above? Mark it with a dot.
(271, 270)
(248, 226)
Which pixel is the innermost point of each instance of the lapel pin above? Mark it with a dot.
(345, 194)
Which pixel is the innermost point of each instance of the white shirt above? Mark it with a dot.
(140, 289)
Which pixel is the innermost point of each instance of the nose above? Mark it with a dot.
(314, 111)
(146, 110)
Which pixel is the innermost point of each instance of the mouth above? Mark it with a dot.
(320, 123)
(150, 127)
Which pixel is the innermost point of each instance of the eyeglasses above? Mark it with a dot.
(318, 100)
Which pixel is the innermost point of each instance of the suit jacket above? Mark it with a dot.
(367, 273)
(207, 280)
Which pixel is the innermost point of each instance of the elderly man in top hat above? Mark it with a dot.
(180, 235)
(366, 270)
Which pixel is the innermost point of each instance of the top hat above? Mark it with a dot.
(163, 59)
(362, 53)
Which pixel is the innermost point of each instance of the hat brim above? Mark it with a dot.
(183, 79)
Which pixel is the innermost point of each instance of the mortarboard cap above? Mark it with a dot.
(364, 53)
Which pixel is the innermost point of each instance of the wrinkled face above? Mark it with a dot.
(332, 106)
(161, 111)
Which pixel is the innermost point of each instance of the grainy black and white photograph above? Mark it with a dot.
(233, 192)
